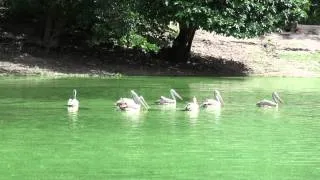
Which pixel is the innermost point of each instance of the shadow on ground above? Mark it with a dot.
(23, 58)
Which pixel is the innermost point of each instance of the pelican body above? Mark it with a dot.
(132, 104)
(268, 103)
(213, 103)
(73, 103)
(167, 101)
(192, 106)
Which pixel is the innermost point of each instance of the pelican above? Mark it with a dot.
(132, 104)
(167, 101)
(192, 106)
(213, 103)
(73, 103)
(267, 103)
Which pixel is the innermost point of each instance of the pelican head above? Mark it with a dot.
(218, 97)
(192, 106)
(139, 99)
(276, 98)
(175, 94)
(194, 100)
(74, 94)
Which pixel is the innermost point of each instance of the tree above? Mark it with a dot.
(123, 23)
(143, 23)
(238, 18)
(314, 12)
(52, 19)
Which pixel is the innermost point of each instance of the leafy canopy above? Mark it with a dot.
(239, 18)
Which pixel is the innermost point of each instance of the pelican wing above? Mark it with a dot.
(73, 103)
(165, 100)
(191, 107)
(211, 103)
(266, 103)
(70, 101)
(124, 100)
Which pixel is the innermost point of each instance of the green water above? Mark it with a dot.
(39, 139)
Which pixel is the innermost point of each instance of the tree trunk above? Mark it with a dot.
(53, 28)
(180, 50)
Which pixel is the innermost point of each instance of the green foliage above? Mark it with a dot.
(239, 18)
(145, 23)
(314, 13)
(121, 23)
(133, 40)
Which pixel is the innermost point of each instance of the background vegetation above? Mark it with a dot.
(163, 26)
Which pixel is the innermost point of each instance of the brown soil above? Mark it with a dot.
(212, 55)
(261, 55)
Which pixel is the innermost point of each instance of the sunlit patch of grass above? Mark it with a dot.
(299, 56)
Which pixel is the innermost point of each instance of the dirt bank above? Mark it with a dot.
(272, 55)
(286, 54)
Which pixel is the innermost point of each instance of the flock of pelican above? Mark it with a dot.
(137, 103)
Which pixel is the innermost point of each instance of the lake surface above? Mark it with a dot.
(39, 139)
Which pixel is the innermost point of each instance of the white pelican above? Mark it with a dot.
(167, 101)
(132, 104)
(213, 103)
(73, 103)
(267, 103)
(192, 106)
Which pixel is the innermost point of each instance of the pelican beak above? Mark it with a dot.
(221, 100)
(74, 93)
(277, 97)
(219, 97)
(176, 94)
(144, 103)
(140, 99)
